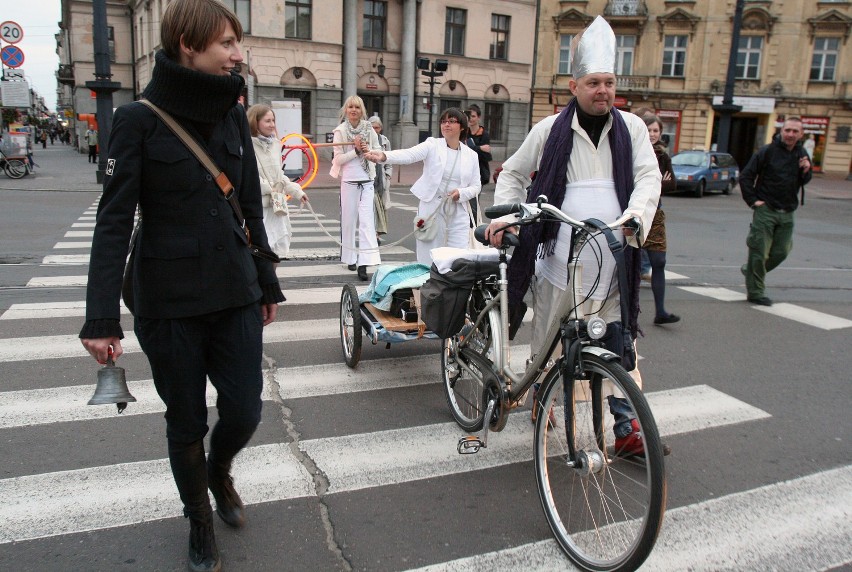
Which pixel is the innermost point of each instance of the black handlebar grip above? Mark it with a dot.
(479, 234)
(509, 238)
(502, 210)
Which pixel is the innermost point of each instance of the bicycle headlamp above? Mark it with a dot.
(596, 328)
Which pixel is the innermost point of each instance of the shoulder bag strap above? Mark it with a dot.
(218, 175)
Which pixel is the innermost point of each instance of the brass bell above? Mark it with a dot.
(112, 386)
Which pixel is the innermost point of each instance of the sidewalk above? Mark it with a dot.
(60, 168)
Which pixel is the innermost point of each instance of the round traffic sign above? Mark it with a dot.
(11, 32)
(12, 56)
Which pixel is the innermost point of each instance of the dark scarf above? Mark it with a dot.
(198, 97)
(551, 180)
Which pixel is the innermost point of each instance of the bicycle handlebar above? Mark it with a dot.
(530, 212)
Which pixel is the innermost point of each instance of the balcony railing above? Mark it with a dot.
(626, 8)
(65, 74)
(625, 82)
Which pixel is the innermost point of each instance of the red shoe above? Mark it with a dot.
(631, 444)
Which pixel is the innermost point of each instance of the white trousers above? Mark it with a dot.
(356, 215)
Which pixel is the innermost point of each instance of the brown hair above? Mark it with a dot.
(255, 113)
(458, 114)
(650, 119)
(198, 23)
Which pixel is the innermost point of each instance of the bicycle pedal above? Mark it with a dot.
(470, 445)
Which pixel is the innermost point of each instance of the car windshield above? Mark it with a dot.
(690, 159)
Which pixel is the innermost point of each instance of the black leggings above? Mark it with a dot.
(658, 280)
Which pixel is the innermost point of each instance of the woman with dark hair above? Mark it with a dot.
(200, 298)
(450, 179)
(655, 243)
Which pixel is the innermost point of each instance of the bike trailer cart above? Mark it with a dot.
(363, 318)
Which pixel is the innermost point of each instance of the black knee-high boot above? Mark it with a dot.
(190, 473)
(225, 443)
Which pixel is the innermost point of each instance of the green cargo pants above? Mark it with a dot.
(770, 240)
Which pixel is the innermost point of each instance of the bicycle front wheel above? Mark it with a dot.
(604, 507)
(15, 168)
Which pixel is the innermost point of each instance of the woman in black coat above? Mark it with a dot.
(200, 299)
(655, 243)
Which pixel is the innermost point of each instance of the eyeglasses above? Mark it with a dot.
(449, 121)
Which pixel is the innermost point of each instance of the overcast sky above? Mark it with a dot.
(40, 21)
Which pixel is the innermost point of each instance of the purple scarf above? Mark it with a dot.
(550, 180)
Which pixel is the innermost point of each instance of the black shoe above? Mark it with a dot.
(362, 273)
(352, 267)
(667, 319)
(229, 506)
(203, 553)
(760, 301)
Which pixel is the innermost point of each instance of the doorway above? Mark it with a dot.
(743, 136)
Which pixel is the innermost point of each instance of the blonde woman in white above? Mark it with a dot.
(450, 179)
(275, 187)
(356, 176)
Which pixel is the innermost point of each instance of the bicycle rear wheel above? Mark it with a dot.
(466, 372)
(605, 509)
(14, 168)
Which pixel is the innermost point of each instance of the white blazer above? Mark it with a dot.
(433, 153)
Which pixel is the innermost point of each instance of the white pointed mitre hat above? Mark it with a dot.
(593, 50)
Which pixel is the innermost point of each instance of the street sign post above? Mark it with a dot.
(11, 32)
(12, 56)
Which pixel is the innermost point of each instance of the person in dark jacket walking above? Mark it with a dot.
(200, 299)
(770, 185)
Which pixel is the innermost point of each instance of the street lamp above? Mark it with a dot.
(431, 70)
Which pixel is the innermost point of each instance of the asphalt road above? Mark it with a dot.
(357, 470)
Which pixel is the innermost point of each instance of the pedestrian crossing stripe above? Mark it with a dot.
(789, 522)
(782, 310)
(64, 502)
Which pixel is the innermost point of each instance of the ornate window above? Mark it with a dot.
(824, 60)
(375, 20)
(748, 57)
(242, 8)
(674, 56)
(564, 67)
(500, 37)
(297, 19)
(625, 46)
(454, 31)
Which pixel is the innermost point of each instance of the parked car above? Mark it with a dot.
(697, 171)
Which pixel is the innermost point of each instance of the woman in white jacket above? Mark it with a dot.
(275, 188)
(450, 179)
(353, 138)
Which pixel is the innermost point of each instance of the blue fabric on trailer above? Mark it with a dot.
(388, 279)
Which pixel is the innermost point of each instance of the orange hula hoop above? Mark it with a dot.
(309, 152)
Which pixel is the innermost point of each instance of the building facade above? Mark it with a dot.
(672, 56)
(318, 52)
(75, 47)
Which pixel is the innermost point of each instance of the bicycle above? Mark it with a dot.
(604, 507)
(13, 167)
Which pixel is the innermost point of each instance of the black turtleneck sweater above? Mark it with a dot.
(592, 124)
(193, 97)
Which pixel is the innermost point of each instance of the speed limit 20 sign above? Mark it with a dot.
(11, 32)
